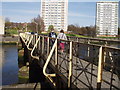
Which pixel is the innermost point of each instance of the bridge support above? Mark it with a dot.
(26, 55)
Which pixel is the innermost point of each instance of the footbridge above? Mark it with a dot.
(85, 63)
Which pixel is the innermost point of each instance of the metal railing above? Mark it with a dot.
(98, 41)
(82, 65)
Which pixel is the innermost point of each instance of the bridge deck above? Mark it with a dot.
(85, 60)
(81, 75)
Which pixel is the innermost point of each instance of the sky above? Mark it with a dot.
(79, 13)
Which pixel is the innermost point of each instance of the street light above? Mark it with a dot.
(36, 25)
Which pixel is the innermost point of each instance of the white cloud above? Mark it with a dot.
(22, 18)
(21, 0)
(79, 15)
(22, 11)
(64, 0)
(89, 0)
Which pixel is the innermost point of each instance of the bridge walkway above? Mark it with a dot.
(81, 65)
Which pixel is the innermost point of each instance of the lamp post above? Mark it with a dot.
(26, 27)
(36, 26)
(33, 21)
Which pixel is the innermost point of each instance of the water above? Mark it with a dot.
(115, 45)
(9, 64)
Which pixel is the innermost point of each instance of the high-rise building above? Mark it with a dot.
(107, 18)
(2, 24)
(55, 12)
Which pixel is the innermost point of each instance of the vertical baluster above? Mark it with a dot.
(100, 67)
(88, 48)
(70, 66)
(48, 45)
(42, 45)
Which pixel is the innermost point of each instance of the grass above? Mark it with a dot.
(8, 43)
(11, 31)
(23, 79)
(75, 35)
(108, 37)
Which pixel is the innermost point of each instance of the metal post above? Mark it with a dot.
(26, 27)
(56, 67)
(100, 67)
(88, 48)
(39, 45)
(70, 67)
(33, 39)
(42, 45)
(48, 45)
(36, 27)
(56, 55)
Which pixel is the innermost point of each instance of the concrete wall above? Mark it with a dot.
(2, 24)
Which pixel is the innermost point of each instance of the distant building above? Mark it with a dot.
(107, 18)
(55, 12)
(2, 24)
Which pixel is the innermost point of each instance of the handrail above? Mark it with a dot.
(36, 57)
(99, 39)
(22, 35)
(27, 39)
(48, 60)
(29, 43)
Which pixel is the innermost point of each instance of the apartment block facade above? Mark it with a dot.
(107, 18)
(55, 12)
(2, 24)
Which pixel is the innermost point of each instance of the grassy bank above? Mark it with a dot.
(23, 74)
(8, 43)
(109, 37)
(10, 32)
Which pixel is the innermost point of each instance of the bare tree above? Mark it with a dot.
(39, 24)
(87, 31)
(7, 23)
(7, 19)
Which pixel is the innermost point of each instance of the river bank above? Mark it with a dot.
(9, 40)
(23, 74)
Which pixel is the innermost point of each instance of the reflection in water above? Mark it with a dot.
(115, 45)
(9, 64)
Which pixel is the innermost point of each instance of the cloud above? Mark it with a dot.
(89, 0)
(20, 18)
(22, 11)
(55, 0)
(21, 0)
(73, 14)
(65, 0)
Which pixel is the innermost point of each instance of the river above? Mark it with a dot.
(9, 66)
